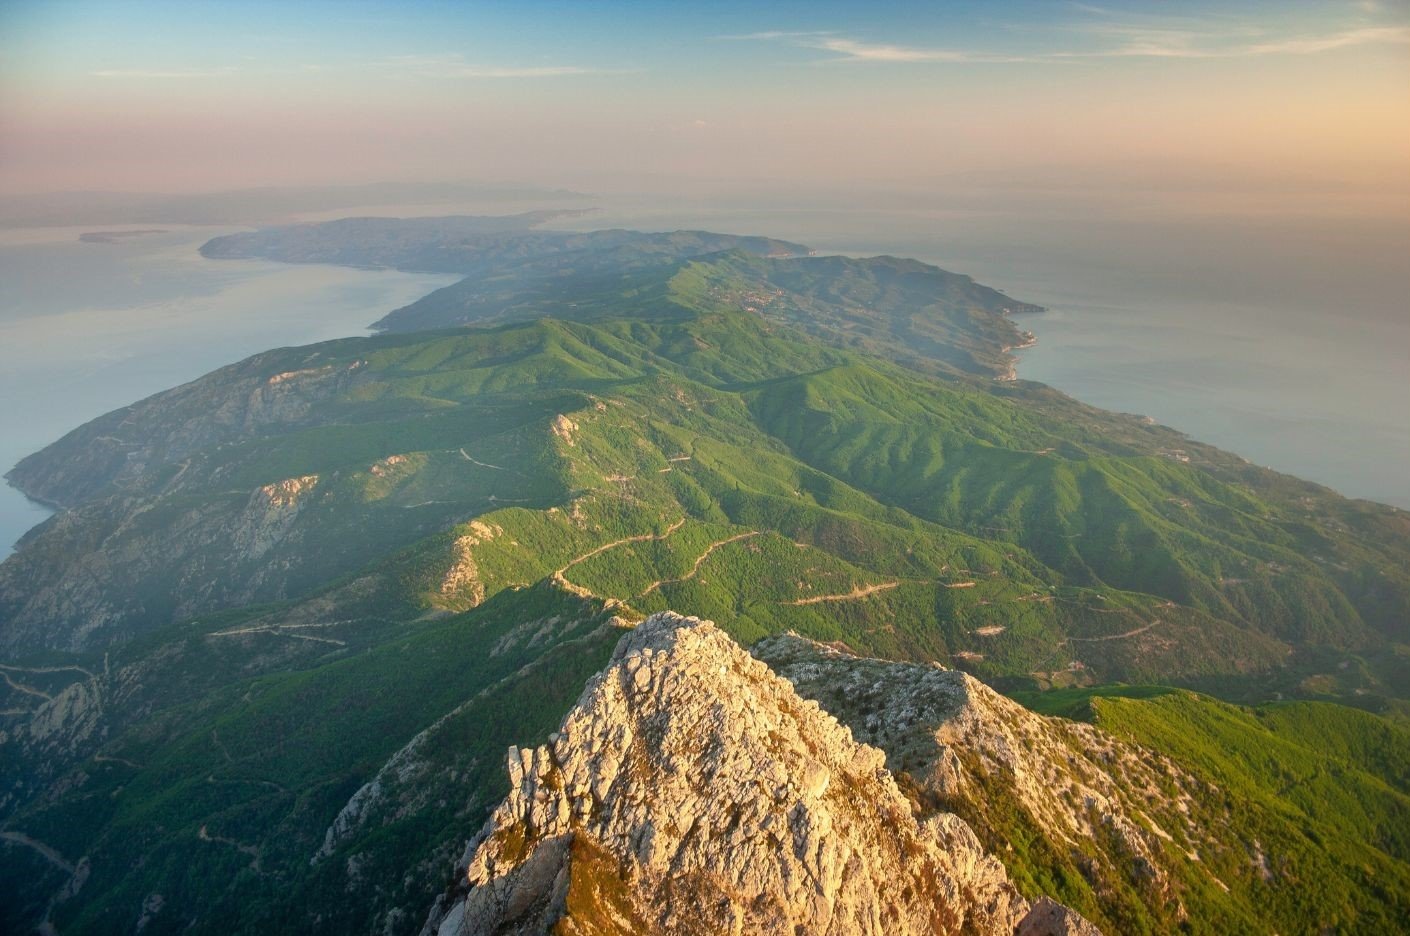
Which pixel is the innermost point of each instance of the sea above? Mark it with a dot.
(87, 327)
(1283, 339)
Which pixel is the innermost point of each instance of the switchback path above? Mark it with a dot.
(21, 687)
(282, 630)
(643, 538)
(46, 669)
(50, 854)
(1129, 633)
(698, 562)
(466, 455)
(249, 850)
(858, 592)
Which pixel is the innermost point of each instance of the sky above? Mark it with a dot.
(1291, 102)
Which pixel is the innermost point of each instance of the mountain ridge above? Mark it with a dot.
(256, 463)
(259, 673)
(691, 791)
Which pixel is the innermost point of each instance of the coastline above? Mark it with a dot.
(141, 315)
(52, 507)
(1030, 340)
(1222, 380)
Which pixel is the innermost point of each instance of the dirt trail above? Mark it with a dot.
(238, 780)
(281, 630)
(50, 855)
(466, 455)
(1129, 633)
(21, 687)
(215, 739)
(46, 669)
(698, 562)
(328, 640)
(176, 477)
(560, 577)
(645, 537)
(858, 592)
(250, 850)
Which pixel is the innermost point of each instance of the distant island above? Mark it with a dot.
(112, 237)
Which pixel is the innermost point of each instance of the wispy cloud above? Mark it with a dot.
(1171, 43)
(1113, 40)
(1372, 35)
(776, 34)
(164, 74)
(855, 51)
(440, 67)
(455, 66)
(845, 49)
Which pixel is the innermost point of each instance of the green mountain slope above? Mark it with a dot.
(270, 653)
(1039, 538)
(1172, 813)
(222, 799)
(911, 311)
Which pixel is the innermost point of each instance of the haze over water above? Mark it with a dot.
(88, 327)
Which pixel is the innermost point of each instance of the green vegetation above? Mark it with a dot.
(990, 534)
(219, 803)
(1075, 703)
(808, 444)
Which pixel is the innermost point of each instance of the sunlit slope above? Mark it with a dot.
(910, 311)
(272, 581)
(1142, 522)
(1317, 827)
(936, 518)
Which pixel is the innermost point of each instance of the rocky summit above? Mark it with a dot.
(693, 790)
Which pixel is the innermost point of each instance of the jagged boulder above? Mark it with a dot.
(691, 790)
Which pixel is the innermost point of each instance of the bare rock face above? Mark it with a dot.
(691, 790)
(1050, 918)
(1110, 803)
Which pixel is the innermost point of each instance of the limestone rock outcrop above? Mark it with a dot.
(1110, 804)
(692, 790)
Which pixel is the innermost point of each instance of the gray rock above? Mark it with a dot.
(691, 790)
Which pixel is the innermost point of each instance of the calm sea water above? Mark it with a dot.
(88, 327)
(1321, 398)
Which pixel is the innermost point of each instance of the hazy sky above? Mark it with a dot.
(1309, 97)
